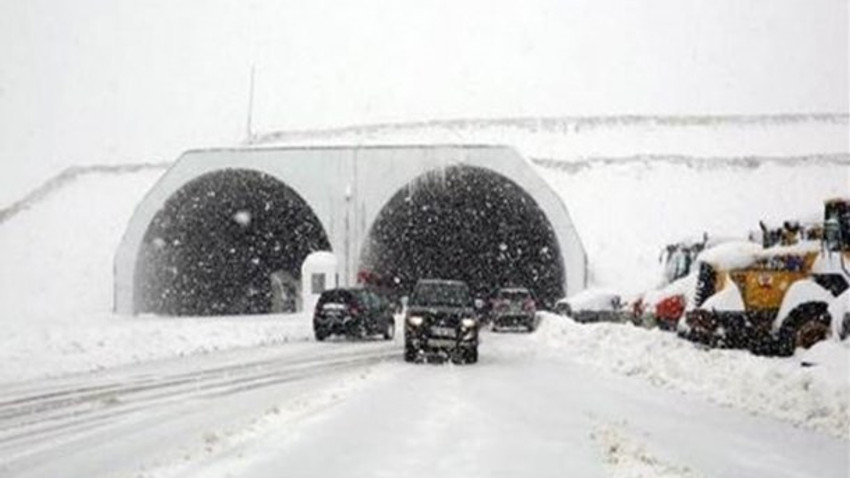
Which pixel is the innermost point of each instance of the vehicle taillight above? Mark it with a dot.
(500, 304)
(353, 310)
(528, 304)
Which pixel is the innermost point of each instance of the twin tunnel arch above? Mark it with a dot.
(212, 244)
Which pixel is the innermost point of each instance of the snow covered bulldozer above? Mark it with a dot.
(773, 300)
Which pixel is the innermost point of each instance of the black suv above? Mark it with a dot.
(354, 313)
(440, 318)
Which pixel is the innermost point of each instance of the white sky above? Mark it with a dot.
(92, 81)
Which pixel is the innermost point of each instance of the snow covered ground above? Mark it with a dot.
(529, 407)
(597, 400)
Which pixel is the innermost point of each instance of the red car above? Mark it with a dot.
(669, 310)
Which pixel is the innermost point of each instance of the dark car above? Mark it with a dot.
(514, 307)
(353, 313)
(440, 319)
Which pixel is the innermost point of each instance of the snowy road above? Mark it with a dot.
(355, 409)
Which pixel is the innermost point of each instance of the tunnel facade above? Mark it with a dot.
(209, 233)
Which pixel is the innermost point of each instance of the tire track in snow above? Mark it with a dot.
(32, 417)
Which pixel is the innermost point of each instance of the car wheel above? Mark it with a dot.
(471, 355)
(320, 335)
(389, 330)
(410, 353)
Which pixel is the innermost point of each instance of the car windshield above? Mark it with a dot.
(514, 295)
(337, 296)
(440, 294)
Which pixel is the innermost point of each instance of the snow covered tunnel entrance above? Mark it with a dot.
(202, 241)
(214, 245)
(470, 224)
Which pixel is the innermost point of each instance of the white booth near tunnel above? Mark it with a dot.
(318, 274)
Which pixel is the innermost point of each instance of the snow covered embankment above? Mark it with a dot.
(815, 397)
(58, 349)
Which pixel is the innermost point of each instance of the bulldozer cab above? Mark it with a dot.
(836, 223)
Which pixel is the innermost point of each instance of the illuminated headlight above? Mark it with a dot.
(415, 320)
(467, 323)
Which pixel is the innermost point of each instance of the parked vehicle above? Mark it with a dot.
(514, 307)
(592, 305)
(777, 299)
(354, 313)
(441, 319)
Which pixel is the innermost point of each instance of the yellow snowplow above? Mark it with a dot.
(776, 299)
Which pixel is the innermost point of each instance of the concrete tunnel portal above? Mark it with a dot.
(211, 233)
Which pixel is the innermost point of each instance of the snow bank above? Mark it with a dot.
(103, 341)
(815, 397)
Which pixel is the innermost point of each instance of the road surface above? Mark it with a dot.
(355, 409)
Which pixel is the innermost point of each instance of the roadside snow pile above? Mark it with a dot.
(815, 396)
(109, 341)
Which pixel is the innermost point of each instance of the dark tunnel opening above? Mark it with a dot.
(468, 224)
(212, 248)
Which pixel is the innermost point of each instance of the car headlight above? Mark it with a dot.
(467, 323)
(415, 320)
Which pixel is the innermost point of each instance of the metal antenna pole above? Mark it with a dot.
(249, 134)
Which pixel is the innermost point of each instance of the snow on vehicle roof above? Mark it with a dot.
(730, 255)
(513, 289)
(441, 281)
(591, 299)
(740, 254)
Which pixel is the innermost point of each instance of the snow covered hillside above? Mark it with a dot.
(578, 138)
